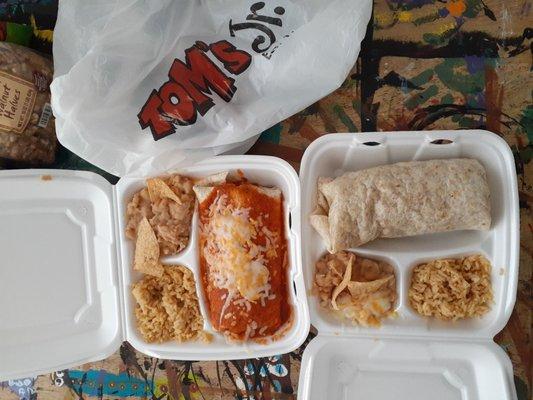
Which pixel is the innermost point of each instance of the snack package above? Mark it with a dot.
(15, 33)
(27, 132)
(147, 86)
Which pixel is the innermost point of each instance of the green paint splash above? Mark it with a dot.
(422, 78)
(460, 81)
(426, 18)
(344, 118)
(527, 122)
(421, 97)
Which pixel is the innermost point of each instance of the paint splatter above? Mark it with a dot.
(23, 388)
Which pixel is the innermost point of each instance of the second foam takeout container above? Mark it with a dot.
(66, 268)
(64, 299)
(411, 357)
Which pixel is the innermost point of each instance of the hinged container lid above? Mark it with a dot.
(337, 368)
(59, 297)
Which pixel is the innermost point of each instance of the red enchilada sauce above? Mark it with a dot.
(243, 261)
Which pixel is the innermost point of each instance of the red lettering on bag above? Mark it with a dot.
(234, 60)
(188, 90)
(177, 103)
(199, 74)
(150, 116)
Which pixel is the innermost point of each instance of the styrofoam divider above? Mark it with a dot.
(261, 170)
(189, 257)
(334, 154)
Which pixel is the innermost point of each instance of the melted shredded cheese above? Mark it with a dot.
(236, 262)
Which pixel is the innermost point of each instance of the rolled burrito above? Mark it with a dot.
(403, 199)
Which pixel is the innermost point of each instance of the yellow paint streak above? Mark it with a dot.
(405, 16)
(43, 34)
(384, 19)
(444, 28)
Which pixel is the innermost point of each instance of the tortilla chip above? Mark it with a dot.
(344, 283)
(367, 288)
(158, 188)
(147, 251)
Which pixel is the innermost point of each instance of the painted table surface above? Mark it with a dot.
(425, 64)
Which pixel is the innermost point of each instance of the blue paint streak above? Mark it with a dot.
(120, 385)
(272, 134)
(475, 64)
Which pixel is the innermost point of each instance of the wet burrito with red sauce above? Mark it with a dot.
(243, 260)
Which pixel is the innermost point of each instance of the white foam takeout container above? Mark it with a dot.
(411, 357)
(66, 269)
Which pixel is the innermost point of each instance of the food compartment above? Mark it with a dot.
(186, 258)
(335, 154)
(340, 323)
(264, 171)
(487, 322)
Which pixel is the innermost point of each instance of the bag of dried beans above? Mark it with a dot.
(27, 130)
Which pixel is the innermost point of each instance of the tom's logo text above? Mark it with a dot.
(187, 91)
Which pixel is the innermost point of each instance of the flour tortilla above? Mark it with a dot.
(205, 186)
(403, 199)
(274, 193)
(213, 180)
(203, 192)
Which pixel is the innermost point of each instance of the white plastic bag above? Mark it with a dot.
(146, 86)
